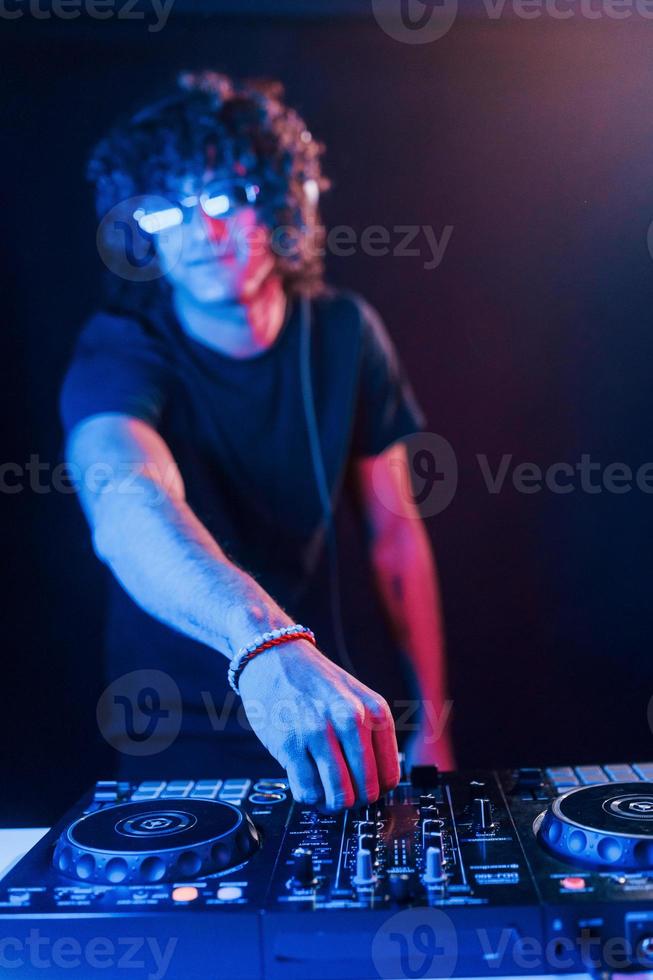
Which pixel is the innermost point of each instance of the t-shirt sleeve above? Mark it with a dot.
(386, 409)
(117, 366)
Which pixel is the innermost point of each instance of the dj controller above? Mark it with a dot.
(530, 872)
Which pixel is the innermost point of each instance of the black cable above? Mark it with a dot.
(322, 482)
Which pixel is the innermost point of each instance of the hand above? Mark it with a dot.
(334, 737)
(423, 748)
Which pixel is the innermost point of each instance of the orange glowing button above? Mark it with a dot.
(573, 884)
(184, 894)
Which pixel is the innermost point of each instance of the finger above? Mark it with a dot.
(384, 741)
(358, 751)
(304, 780)
(334, 774)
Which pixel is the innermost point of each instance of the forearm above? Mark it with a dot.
(175, 570)
(341, 745)
(406, 577)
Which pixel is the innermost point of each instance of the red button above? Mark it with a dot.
(185, 893)
(573, 884)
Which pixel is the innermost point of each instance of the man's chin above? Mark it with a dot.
(222, 293)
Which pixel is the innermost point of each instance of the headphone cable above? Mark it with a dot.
(321, 480)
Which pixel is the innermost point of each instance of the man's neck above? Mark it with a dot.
(238, 328)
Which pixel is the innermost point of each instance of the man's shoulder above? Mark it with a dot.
(111, 329)
(345, 308)
(355, 317)
(337, 301)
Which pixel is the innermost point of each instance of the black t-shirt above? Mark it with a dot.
(237, 429)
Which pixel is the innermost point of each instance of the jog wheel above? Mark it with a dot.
(163, 840)
(607, 826)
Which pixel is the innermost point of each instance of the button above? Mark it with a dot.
(106, 791)
(528, 777)
(621, 774)
(270, 784)
(206, 789)
(177, 788)
(229, 893)
(267, 797)
(148, 790)
(591, 775)
(562, 776)
(573, 884)
(644, 770)
(234, 790)
(185, 893)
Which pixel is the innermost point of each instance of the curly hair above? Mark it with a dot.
(241, 128)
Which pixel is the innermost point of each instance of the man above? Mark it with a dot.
(242, 404)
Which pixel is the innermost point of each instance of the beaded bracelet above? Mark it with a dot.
(263, 642)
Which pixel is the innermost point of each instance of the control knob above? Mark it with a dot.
(364, 879)
(303, 869)
(431, 834)
(424, 777)
(367, 828)
(435, 875)
(482, 815)
(401, 888)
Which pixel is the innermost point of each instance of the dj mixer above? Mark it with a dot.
(526, 872)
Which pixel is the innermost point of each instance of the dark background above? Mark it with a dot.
(534, 139)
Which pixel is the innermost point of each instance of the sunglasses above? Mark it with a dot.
(218, 199)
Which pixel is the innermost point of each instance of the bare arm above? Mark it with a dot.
(133, 496)
(405, 572)
(341, 746)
